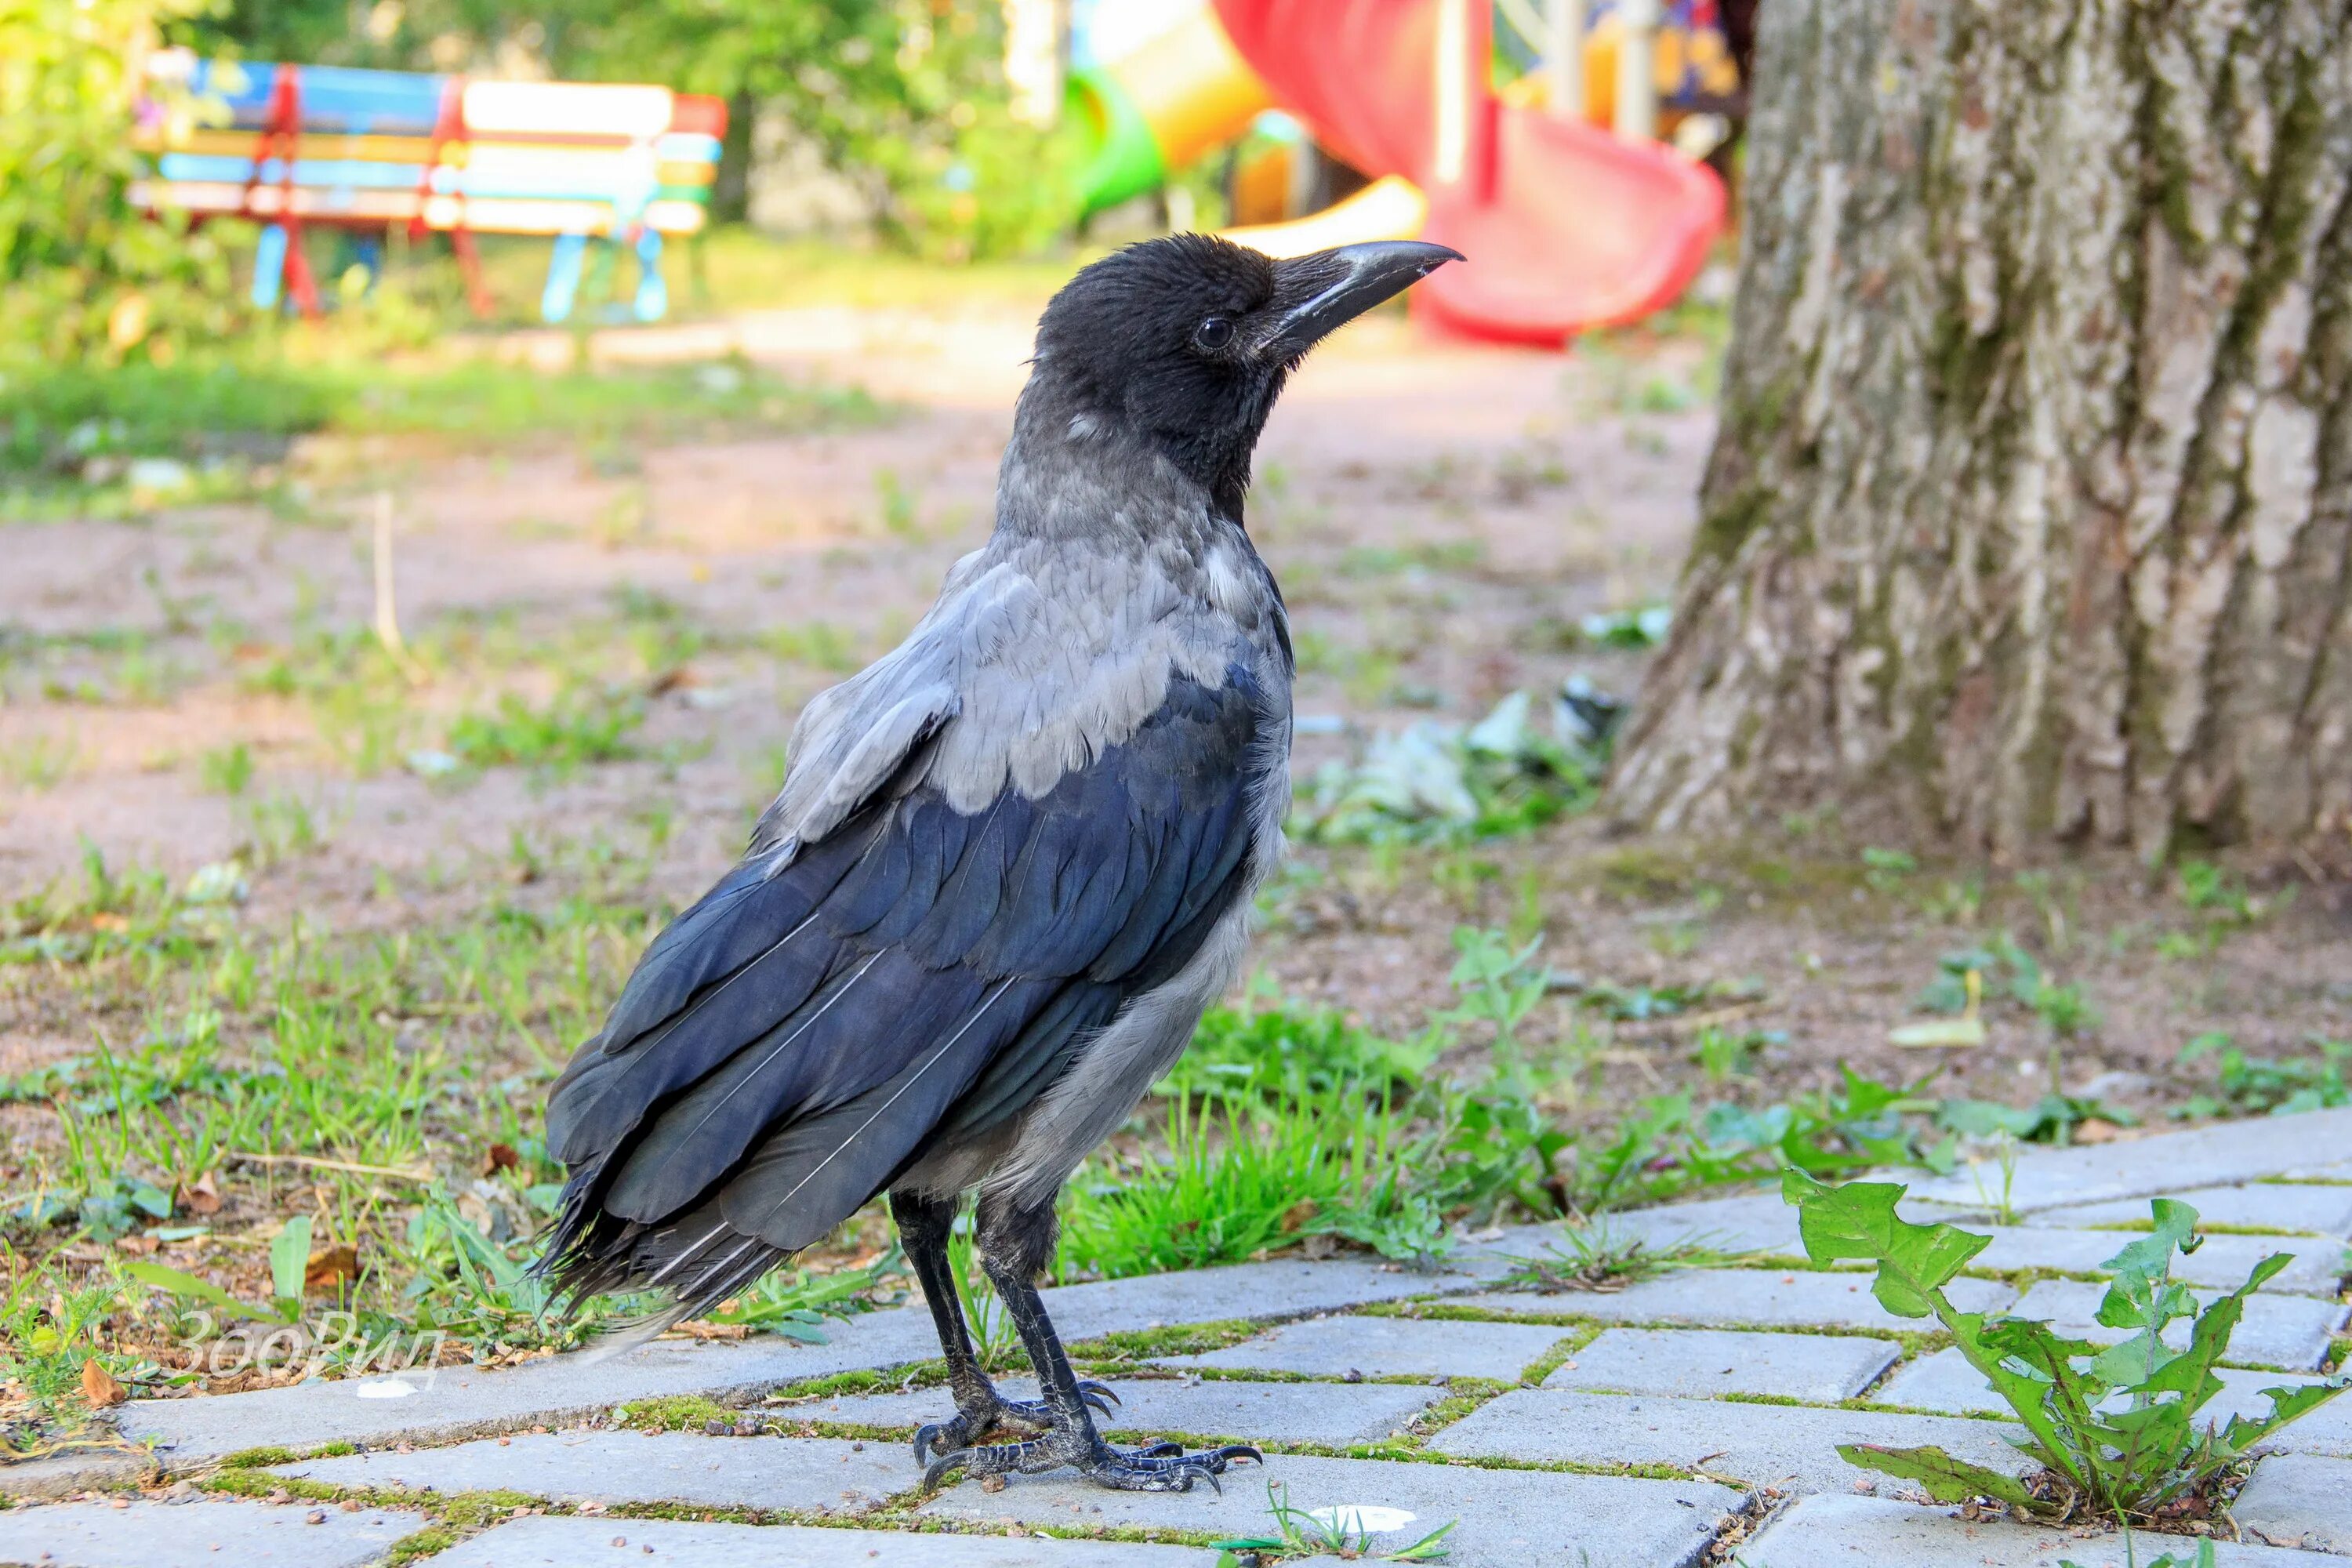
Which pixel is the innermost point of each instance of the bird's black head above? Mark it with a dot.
(1184, 343)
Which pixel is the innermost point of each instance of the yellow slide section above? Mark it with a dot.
(1391, 208)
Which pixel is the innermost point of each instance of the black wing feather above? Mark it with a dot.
(798, 1038)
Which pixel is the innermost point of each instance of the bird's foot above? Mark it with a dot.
(1160, 1467)
(1164, 1467)
(967, 1428)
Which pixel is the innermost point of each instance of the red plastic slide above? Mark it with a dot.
(1566, 227)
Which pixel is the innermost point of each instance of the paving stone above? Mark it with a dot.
(558, 1543)
(63, 1475)
(1701, 1362)
(1285, 1287)
(2296, 1499)
(461, 1402)
(205, 1534)
(1750, 1222)
(618, 1465)
(1386, 1347)
(2290, 1331)
(1849, 1531)
(1507, 1519)
(1732, 1297)
(2278, 1206)
(1218, 1408)
(2217, 1155)
(2224, 1261)
(1945, 1382)
(1788, 1445)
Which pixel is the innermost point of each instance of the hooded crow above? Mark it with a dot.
(1011, 863)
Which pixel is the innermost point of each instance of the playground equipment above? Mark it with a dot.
(1158, 108)
(374, 151)
(1567, 227)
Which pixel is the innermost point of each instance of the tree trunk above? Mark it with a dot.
(2031, 512)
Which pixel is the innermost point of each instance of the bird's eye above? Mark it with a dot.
(1213, 333)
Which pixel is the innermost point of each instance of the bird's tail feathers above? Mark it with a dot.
(694, 1261)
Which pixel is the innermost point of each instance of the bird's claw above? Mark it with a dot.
(962, 1431)
(1159, 1467)
(1165, 1467)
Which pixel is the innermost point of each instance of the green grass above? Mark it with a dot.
(573, 729)
(64, 424)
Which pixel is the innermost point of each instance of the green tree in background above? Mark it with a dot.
(83, 277)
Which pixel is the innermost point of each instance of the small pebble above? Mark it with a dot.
(715, 1428)
(316, 1516)
(857, 1447)
(620, 1541)
(348, 1505)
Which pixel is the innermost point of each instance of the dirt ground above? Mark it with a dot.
(1441, 517)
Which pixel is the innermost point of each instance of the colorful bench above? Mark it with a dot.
(296, 145)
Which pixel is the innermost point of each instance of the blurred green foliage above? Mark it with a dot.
(82, 277)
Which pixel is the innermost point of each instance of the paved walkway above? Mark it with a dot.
(1639, 1429)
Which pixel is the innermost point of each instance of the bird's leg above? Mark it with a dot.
(924, 1226)
(1015, 1241)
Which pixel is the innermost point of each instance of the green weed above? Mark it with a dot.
(2114, 1426)
(2053, 1119)
(1668, 1145)
(1343, 1532)
(573, 731)
(48, 1333)
(2005, 969)
(226, 770)
(1725, 1054)
(40, 762)
(1596, 1255)
(2258, 1086)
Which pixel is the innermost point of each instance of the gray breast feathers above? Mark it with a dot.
(1045, 653)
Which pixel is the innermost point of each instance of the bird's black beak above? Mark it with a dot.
(1314, 294)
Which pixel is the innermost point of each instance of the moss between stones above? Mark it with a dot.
(420, 1544)
(676, 1413)
(1129, 1346)
(254, 1459)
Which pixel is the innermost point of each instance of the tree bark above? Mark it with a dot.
(2030, 512)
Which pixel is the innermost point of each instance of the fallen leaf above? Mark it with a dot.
(98, 1387)
(2095, 1130)
(203, 1198)
(137, 1246)
(330, 1266)
(499, 1157)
